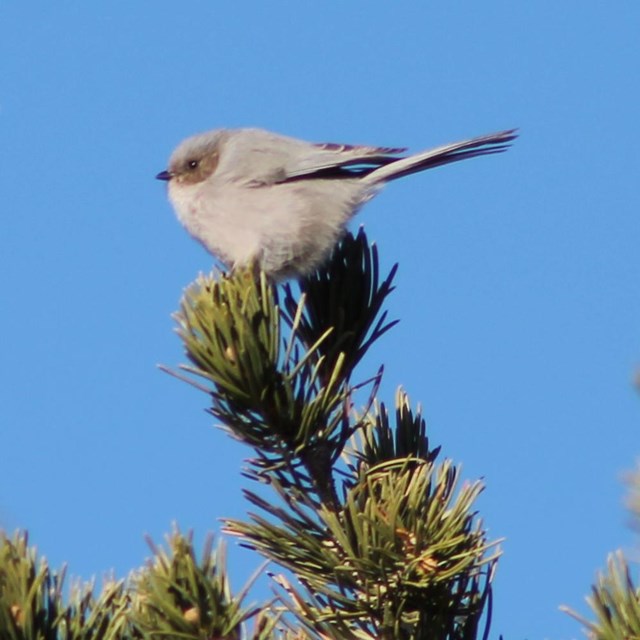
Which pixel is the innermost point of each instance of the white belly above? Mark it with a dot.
(285, 227)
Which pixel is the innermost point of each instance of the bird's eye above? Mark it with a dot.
(193, 164)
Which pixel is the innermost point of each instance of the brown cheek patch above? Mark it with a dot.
(207, 166)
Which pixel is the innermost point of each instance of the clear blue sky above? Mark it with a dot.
(517, 291)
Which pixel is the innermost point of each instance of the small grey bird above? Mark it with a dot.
(250, 195)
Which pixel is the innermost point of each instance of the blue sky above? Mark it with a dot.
(517, 289)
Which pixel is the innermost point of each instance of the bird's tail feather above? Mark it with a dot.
(480, 146)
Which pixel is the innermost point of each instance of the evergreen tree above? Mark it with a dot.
(372, 531)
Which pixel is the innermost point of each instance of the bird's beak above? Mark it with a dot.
(164, 175)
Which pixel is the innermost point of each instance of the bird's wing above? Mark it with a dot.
(331, 159)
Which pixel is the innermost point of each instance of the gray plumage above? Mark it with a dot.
(250, 195)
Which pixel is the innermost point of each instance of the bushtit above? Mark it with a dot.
(249, 195)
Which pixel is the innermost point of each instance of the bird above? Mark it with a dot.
(253, 197)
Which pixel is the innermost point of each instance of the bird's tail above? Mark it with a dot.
(480, 146)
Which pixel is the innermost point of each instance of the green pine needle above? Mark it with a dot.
(615, 601)
(179, 596)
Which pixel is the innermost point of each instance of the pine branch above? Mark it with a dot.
(383, 544)
(403, 555)
(287, 398)
(32, 605)
(178, 596)
(377, 441)
(175, 596)
(346, 296)
(615, 601)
